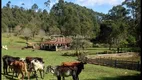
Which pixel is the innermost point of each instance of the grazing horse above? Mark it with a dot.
(19, 67)
(7, 61)
(29, 59)
(35, 66)
(29, 45)
(66, 70)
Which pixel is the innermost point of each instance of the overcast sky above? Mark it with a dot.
(97, 5)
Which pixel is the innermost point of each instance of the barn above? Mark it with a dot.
(56, 44)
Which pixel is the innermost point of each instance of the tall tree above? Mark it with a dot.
(47, 3)
(34, 7)
(134, 8)
(8, 4)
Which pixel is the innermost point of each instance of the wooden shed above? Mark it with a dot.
(57, 43)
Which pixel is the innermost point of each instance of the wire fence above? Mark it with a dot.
(132, 65)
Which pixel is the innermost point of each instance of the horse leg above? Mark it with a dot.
(18, 75)
(13, 74)
(6, 70)
(43, 74)
(36, 75)
(10, 68)
(58, 77)
(77, 77)
(29, 75)
(22, 75)
(40, 74)
(74, 77)
(63, 78)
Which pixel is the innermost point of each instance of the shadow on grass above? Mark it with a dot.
(9, 77)
(20, 42)
(130, 77)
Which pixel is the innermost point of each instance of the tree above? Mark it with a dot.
(41, 34)
(86, 44)
(76, 44)
(134, 8)
(54, 30)
(34, 7)
(47, 3)
(118, 12)
(8, 4)
(27, 34)
(4, 27)
(79, 42)
(33, 25)
(22, 6)
(17, 30)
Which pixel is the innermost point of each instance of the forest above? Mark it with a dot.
(120, 27)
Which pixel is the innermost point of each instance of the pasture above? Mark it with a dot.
(90, 72)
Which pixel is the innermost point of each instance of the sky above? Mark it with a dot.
(96, 5)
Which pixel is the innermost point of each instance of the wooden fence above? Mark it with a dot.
(132, 65)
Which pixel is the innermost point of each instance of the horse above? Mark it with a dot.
(65, 71)
(35, 66)
(7, 59)
(30, 45)
(19, 67)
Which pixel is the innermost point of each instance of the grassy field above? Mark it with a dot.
(91, 72)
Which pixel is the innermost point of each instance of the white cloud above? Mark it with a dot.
(98, 2)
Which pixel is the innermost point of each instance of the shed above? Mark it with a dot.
(57, 43)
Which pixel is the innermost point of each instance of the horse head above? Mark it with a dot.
(50, 69)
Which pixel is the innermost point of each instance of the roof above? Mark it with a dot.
(58, 40)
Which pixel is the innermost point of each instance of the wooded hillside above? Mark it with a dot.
(120, 27)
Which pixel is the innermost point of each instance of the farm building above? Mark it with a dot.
(55, 44)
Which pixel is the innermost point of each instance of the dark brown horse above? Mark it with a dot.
(7, 59)
(65, 71)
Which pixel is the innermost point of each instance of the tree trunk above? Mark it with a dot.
(118, 50)
(110, 46)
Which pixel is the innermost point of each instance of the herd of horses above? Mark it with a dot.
(30, 65)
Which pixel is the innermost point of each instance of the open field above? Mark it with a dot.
(91, 72)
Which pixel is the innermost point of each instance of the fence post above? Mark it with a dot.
(115, 63)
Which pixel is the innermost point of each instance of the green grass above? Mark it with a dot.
(91, 72)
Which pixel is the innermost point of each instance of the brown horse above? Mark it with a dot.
(19, 67)
(65, 71)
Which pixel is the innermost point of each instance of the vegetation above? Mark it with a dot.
(90, 72)
(119, 28)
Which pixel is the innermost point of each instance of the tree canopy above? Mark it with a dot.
(120, 25)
